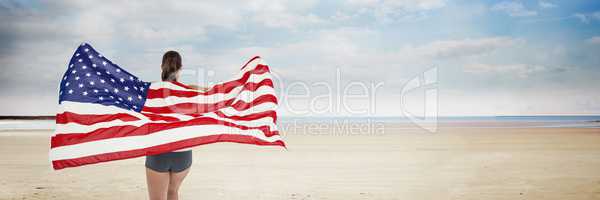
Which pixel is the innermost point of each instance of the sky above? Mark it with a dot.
(330, 58)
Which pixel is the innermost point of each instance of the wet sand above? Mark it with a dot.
(400, 163)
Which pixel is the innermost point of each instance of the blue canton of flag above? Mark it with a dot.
(91, 78)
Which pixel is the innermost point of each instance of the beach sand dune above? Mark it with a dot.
(455, 163)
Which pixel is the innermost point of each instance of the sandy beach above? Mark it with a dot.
(400, 163)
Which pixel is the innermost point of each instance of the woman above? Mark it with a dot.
(165, 172)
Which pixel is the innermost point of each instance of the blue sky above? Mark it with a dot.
(492, 57)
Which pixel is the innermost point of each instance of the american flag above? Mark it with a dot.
(106, 113)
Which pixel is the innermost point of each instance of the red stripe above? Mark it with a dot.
(255, 57)
(157, 117)
(220, 88)
(166, 92)
(62, 139)
(198, 108)
(87, 119)
(61, 164)
(250, 117)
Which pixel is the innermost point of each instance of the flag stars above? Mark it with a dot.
(105, 81)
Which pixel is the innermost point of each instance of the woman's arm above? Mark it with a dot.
(196, 87)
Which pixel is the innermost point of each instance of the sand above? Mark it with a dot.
(455, 163)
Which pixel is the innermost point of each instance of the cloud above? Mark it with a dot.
(466, 47)
(397, 4)
(284, 14)
(587, 17)
(514, 9)
(352, 50)
(546, 4)
(302, 40)
(520, 70)
(594, 40)
(388, 11)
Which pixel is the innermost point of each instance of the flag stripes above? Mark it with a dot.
(166, 116)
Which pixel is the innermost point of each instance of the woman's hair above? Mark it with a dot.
(171, 63)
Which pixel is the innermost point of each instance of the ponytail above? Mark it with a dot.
(171, 64)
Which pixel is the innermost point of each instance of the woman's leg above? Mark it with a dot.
(174, 183)
(158, 184)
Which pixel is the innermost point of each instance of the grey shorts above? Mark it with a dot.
(171, 161)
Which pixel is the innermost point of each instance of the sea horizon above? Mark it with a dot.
(513, 121)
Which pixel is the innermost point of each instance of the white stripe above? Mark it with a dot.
(265, 121)
(168, 85)
(229, 111)
(246, 96)
(145, 141)
(90, 108)
(79, 128)
(213, 98)
(181, 117)
(94, 109)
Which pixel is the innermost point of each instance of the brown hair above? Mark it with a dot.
(171, 63)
